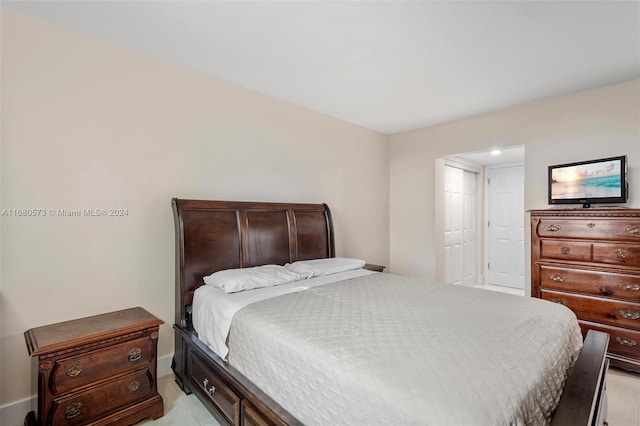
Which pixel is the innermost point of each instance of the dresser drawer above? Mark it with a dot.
(224, 398)
(592, 229)
(81, 407)
(618, 313)
(617, 254)
(77, 371)
(565, 250)
(621, 342)
(599, 283)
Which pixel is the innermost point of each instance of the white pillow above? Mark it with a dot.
(234, 280)
(317, 267)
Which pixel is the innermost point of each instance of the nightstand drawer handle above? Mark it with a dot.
(557, 278)
(74, 371)
(635, 230)
(621, 254)
(560, 302)
(625, 341)
(135, 354)
(629, 286)
(552, 228)
(565, 250)
(133, 386)
(211, 390)
(73, 410)
(629, 314)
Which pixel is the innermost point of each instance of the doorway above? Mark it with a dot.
(480, 219)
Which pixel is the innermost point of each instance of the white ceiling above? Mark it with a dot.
(390, 66)
(509, 155)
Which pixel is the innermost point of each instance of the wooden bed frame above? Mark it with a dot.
(217, 235)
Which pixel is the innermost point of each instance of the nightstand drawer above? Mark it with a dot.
(598, 283)
(225, 399)
(617, 313)
(81, 407)
(75, 372)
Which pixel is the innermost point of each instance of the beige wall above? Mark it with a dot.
(588, 125)
(86, 124)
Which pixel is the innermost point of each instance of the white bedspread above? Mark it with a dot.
(213, 309)
(389, 350)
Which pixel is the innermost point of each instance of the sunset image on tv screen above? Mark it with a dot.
(597, 180)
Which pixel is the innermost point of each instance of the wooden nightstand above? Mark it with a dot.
(99, 370)
(372, 267)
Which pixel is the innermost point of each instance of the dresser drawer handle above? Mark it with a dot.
(210, 390)
(560, 302)
(621, 254)
(74, 371)
(552, 228)
(557, 278)
(565, 250)
(629, 286)
(135, 354)
(72, 410)
(133, 386)
(633, 230)
(625, 341)
(591, 225)
(629, 314)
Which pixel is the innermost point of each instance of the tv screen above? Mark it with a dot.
(587, 182)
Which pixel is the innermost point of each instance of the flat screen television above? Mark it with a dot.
(587, 182)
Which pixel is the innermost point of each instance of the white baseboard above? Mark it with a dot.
(13, 414)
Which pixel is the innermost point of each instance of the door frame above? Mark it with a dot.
(440, 265)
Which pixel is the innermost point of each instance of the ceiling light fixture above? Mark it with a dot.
(495, 152)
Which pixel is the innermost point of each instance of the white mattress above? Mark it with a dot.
(383, 349)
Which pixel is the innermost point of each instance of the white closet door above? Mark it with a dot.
(460, 231)
(453, 223)
(469, 231)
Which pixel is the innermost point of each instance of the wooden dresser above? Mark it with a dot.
(96, 370)
(589, 260)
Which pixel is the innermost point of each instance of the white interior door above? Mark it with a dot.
(505, 232)
(460, 230)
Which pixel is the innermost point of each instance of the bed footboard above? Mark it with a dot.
(583, 400)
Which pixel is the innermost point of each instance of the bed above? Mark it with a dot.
(283, 368)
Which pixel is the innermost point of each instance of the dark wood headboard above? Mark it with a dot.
(216, 235)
